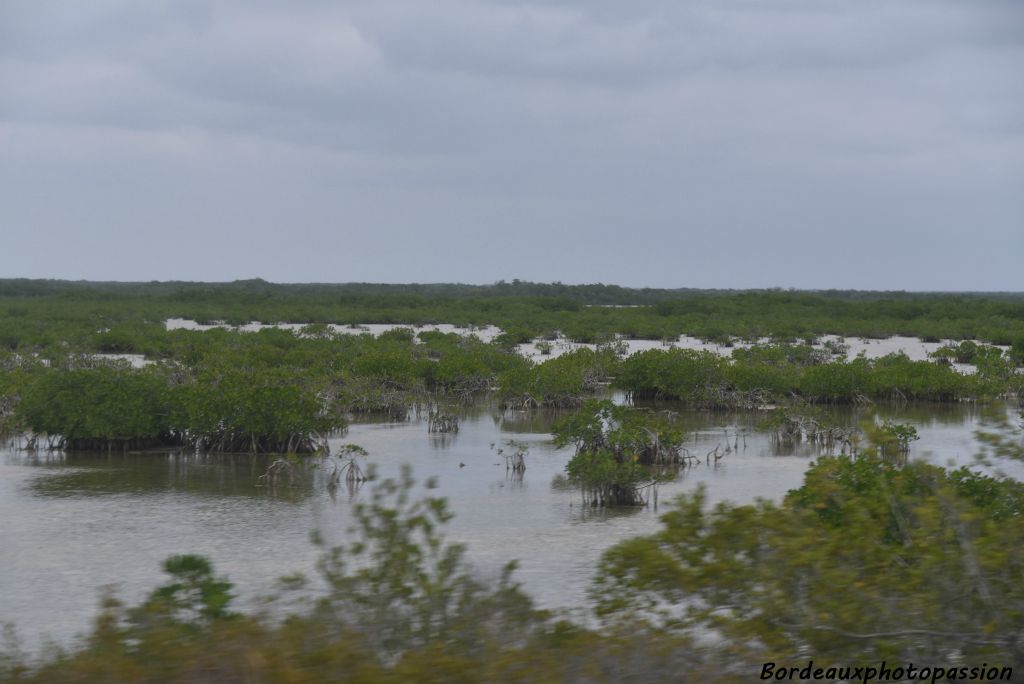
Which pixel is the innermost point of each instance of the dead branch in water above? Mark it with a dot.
(276, 469)
(515, 458)
(349, 468)
(442, 422)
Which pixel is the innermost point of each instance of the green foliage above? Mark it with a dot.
(682, 374)
(194, 596)
(400, 604)
(615, 445)
(1017, 350)
(228, 409)
(560, 382)
(991, 363)
(894, 437)
(96, 407)
(782, 355)
(404, 587)
(515, 336)
(963, 352)
(37, 315)
(627, 433)
(752, 378)
(250, 411)
(281, 390)
(867, 561)
(498, 639)
(930, 562)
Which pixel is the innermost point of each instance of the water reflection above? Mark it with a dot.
(87, 475)
(712, 438)
(79, 521)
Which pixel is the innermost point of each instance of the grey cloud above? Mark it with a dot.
(650, 142)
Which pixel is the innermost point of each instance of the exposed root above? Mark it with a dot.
(791, 429)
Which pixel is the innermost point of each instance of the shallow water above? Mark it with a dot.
(74, 522)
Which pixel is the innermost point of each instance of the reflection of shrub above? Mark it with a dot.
(608, 481)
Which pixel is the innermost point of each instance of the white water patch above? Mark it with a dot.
(133, 360)
(485, 333)
(531, 350)
(535, 351)
(540, 350)
(915, 348)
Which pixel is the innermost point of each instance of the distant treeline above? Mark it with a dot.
(594, 293)
(35, 314)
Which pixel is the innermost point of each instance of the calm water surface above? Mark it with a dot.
(72, 523)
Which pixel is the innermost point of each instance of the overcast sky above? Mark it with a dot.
(874, 144)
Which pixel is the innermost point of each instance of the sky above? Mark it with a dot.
(865, 144)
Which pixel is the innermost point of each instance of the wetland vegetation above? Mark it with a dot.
(280, 390)
(128, 317)
(932, 554)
